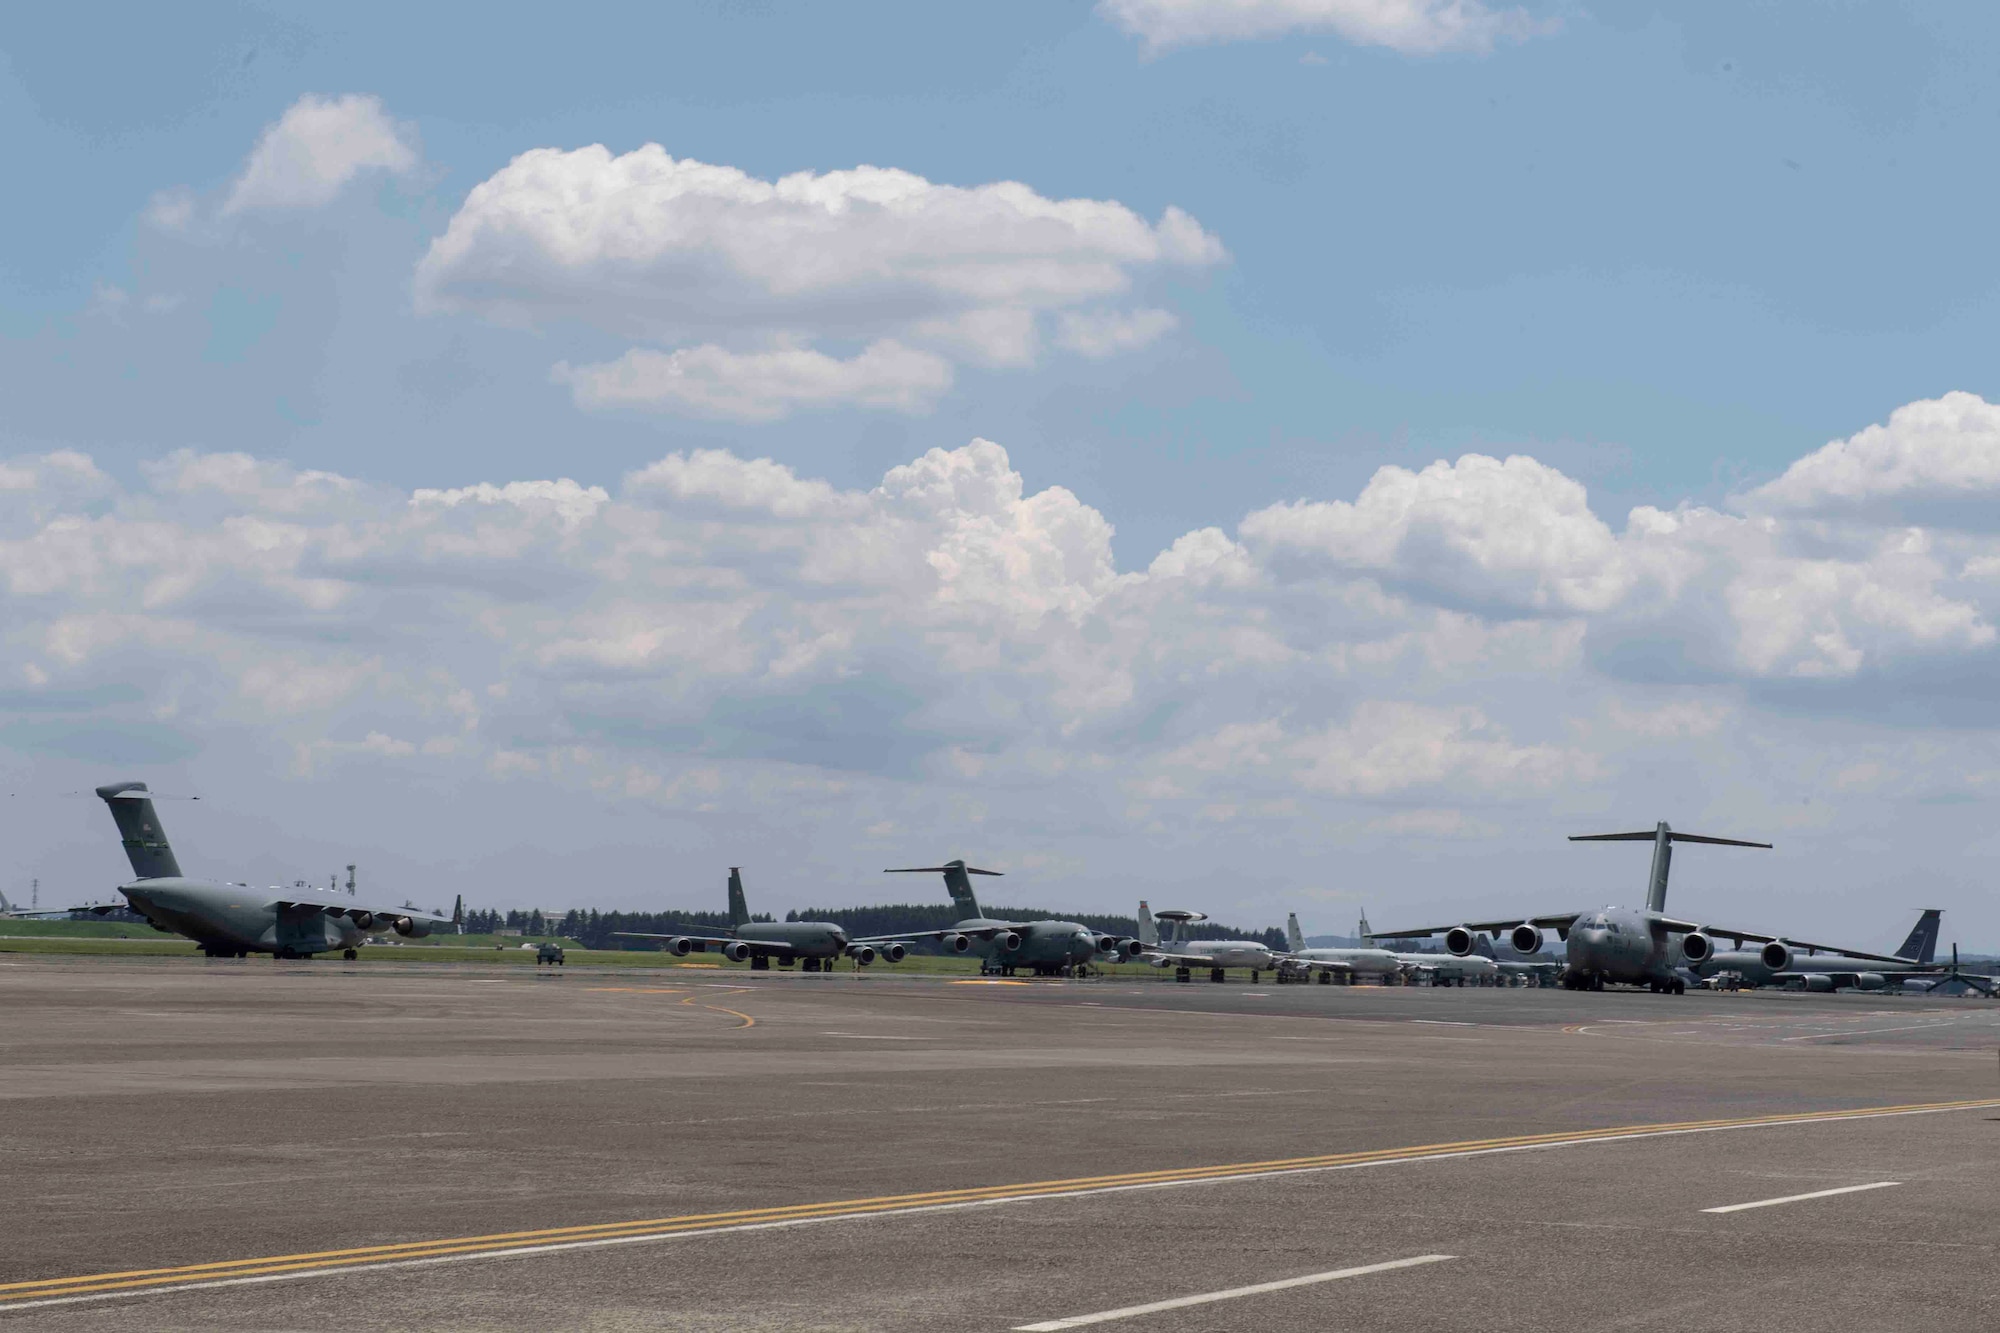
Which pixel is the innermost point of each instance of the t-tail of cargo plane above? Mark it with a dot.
(145, 841)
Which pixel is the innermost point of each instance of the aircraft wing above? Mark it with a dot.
(1812, 948)
(1557, 921)
(909, 936)
(346, 906)
(768, 948)
(1667, 923)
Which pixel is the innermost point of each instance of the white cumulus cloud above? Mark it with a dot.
(309, 156)
(1415, 27)
(747, 293)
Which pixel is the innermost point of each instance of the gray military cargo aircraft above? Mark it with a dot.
(1612, 944)
(235, 920)
(1049, 948)
(1786, 962)
(813, 944)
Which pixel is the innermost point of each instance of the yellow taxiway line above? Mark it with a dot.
(268, 1268)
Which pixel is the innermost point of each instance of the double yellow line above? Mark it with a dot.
(230, 1272)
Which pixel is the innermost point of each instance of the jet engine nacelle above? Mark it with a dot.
(1131, 949)
(1870, 981)
(1776, 956)
(1008, 940)
(957, 943)
(1697, 947)
(1525, 938)
(365, 920)
(1109, 944)
(1819, 981)
(1460, 939)
(679, 946)
(862, 954)
(736, 951)
(894, 953)
(403, 925)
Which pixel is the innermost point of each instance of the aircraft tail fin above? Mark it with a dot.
(145, 841)
(1663, 838)
(6, 908)
(739, 906)
(1295, 939)
(1361, 931)
(1921, 946)
(1149, 930)
(458, 914)
(957, 882)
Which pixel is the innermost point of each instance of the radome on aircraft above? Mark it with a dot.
(813, 944)
(1183, 954)
(1643, 947)
(1048, 948)
(235, 920)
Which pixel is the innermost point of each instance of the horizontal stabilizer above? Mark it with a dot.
(939, 870)
(1650, 835)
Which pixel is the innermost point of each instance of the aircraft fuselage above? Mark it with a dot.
(1620, 944)
(1043, 943)
(233, 918)
(806, 939)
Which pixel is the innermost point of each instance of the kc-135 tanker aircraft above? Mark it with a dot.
(814, 944)
(235, 920)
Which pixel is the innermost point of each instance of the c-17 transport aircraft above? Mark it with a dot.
(235, 920)
(1783, 962)
(815, 944)
(1613, 944)
(1183, 954)
(1050, 948)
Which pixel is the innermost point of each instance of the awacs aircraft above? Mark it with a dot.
(1050, 948)
(1183, 954)
(234, 920)
(1616, 944)
(815, 944)
(1786, 962)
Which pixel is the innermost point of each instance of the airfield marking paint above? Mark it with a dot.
(1234, 1293)
(1869, 1032)
(748, 1022)
(413, 1254)
(1800, 1198)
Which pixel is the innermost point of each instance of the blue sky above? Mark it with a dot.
(1667, 251)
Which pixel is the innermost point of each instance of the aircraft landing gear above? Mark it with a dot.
(1253, 976)
(1324, 978)
(1182, 974)
(760, 962)
(1215, 974)
(350, 954)
(809, 965)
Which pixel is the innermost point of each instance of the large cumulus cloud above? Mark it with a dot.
(756, 298)
(716, 633)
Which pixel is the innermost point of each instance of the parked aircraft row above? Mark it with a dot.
(1608, 945)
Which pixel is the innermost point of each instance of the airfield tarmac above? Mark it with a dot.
(261, 1145)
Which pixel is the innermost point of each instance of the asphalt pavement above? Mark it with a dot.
(257, 1145)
